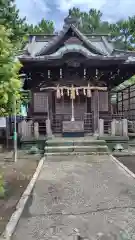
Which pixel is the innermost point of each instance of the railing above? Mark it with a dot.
(57, 120)
(56, 123)
(131, 128)
(88, 120)
(37, 126)
(88, 123)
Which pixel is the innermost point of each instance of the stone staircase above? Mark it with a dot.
(75, 146)
(132, 143)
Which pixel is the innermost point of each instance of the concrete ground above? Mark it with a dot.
(90, 193)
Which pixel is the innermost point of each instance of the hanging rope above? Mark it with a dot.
(61, 92)
(58, 95)
(84, 91)
(89, 94)
(77, 93)
(79, 88)
(68, 92)
(74, 91)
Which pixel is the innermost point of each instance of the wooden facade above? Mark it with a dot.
(88, 65)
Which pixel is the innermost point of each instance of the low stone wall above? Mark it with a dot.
(118, 127)
(27, 129)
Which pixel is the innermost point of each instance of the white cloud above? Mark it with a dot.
(64, 5)
(41, 5)
(126, 8)
(118, 9)
(33, 10)
(112, 10)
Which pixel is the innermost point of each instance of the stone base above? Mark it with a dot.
(111, 141)
(26, 144)
(73, 134)
(73, 129)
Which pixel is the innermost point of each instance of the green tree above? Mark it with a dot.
(90, 22)
(43, 27)
(132, 32)
(9, 17)
(121, 32)
(10, 83)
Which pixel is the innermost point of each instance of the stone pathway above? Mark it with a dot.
(87, 193)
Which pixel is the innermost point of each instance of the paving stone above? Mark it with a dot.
(89, 193)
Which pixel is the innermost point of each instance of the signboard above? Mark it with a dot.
(2, 122)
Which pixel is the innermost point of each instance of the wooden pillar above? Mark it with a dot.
(96, 111)
(53, 117)
(88, 101)
(109, 101)
(53, 95)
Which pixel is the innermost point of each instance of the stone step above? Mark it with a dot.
(75, 153)
(75, 142)
(132, 144)
(59, 149)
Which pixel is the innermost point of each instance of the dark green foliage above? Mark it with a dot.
(43, 27)
(121, 32)
(10, 83)
(90, 22)
(9, 17)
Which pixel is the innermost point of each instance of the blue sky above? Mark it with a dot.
(56, 10)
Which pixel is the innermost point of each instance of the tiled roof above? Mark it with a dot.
(61, 35)
(125, 84)
(35, 47)
(95, 45)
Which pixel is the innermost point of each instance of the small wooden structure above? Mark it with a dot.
(123, 102)
(70, 76)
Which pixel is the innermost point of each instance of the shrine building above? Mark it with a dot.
(70, 76)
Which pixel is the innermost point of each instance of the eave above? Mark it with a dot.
(47, 58)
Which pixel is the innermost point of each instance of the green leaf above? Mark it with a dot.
(10, 83)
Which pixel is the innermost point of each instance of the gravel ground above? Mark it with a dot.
(128, 161)
(17, 176)
(90, 193)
